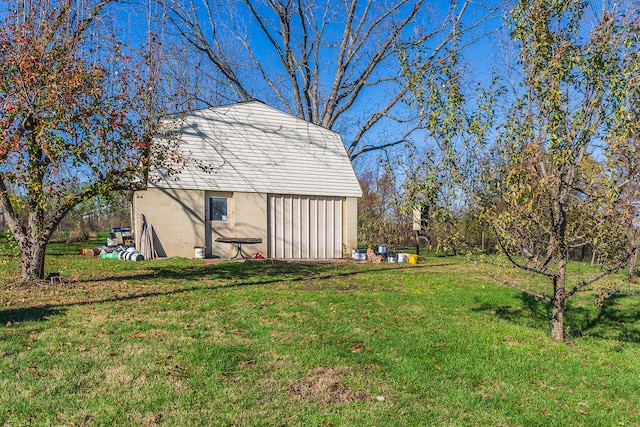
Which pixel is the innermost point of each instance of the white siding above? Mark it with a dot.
(305, 226)
(258, 149)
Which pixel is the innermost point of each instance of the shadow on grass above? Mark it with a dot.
(530, 313)
(615, 318)
(238, 273)
(26, 314)
(612, 320)
(251, 273)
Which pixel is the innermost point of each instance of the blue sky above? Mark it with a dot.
(478, 56)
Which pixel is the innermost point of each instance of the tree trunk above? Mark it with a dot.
(33, 259)
(559, 297)
(631, 266)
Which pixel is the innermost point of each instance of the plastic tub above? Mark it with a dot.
(199, 252)
(403, 257)
(359, 254)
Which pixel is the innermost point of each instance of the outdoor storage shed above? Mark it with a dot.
(271, 176)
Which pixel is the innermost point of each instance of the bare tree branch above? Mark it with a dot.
(323, 61)
(512, 285)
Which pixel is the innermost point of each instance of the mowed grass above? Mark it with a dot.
(179, 343)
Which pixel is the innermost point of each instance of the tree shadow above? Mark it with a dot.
(251, 272)
(608, 321)
(29, 314)
(531, 312)
(229, 275)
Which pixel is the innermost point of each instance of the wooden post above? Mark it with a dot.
(417, 226)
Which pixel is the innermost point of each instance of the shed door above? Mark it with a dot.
(305, 226)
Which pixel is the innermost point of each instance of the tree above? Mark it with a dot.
(76, 115)
(553, 164)
(428, 187)
(380, 220)
(331, 63)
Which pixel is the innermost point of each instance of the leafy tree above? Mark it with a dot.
(428, 187)
(76, 114)
(380, 220)
(551, 162)
(97, 214)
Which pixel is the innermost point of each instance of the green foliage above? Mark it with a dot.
(563, 181)
(96, 214)
(380, 218)
(551, 163)
(77, 113)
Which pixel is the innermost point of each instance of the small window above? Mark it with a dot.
(218, 208)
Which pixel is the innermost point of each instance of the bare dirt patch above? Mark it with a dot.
(326, 386)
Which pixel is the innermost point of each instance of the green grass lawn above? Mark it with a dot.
(180, 343)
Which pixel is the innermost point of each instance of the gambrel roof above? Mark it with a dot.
(256, 148)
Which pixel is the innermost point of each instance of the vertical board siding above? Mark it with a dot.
(305, 227)
(304, 231)
(313, 228)
(287, 214)
(337, 235)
